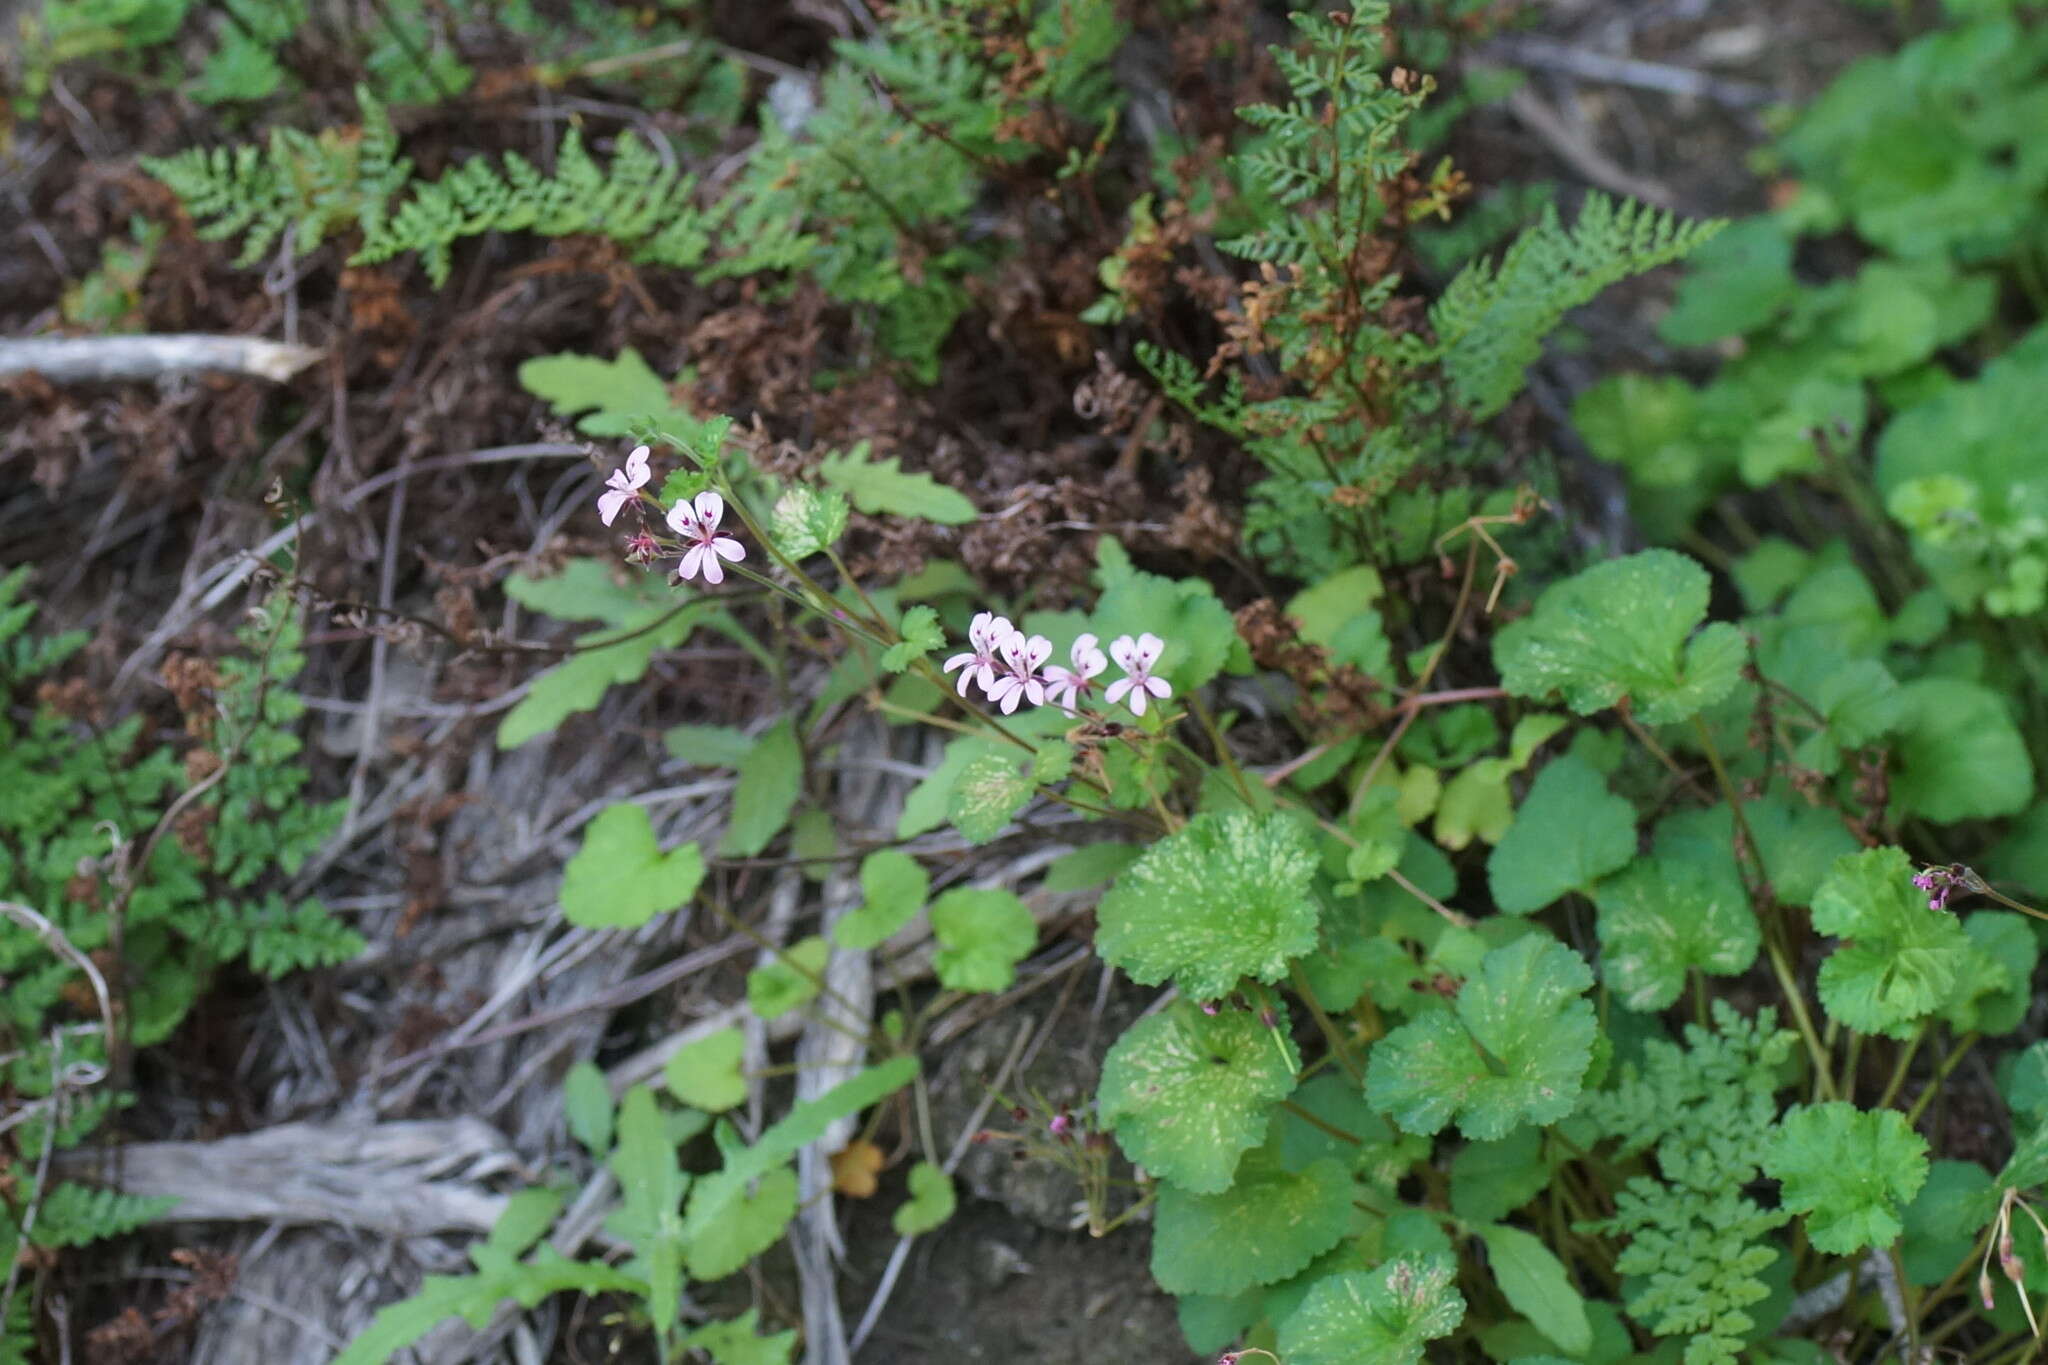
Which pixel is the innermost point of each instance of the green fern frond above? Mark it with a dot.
(73, 1215)
(1697, 1243)
(1491, 321)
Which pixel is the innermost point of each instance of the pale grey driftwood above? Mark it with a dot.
(409, 1179)
(74, 360)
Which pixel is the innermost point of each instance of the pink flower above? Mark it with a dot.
(1064, 687)
(1021, 655)
(698, 526)
(623, 485)
(985, 637)
(1136, 657)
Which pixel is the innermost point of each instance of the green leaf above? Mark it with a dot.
(620, 878)
(1089, 865)
(1943, 1222)
(991, 789)
(734, 1342)
(893, 885)
(771, 779)
(707, 746)
(879, 486)
(1273, 1221)
(624, 392)
(931, 1201)
(1490, 1180)
(706, 1074)
(1569, 833)
(1993, 994)
(983, 935)
(586, 590)
(754, 1222)
(1665, 916)
(1186, 1093)
(1849, 1171)
(649, 1216)
(1647, 424)
(1734, 284)
(587, 1103)
(474, 1298)
(806, 520)
(921, 635)
(714, 1196)
(1377, 1317)
(1513, 1048)
(1620, 629)
(775, 988)
(1902, 960)
(1536, 1286)
(604, 659)
(1200, 633)
(1223, 898)
(1960, 757)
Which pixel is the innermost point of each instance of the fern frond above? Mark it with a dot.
(73, 1215)
(1491, 321)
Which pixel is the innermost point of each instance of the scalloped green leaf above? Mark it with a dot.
(806, 520)
(1512, 1049)
(706, 1074)
(1850, 1171)
(1901, 960)
(1664, 916)
(1223, 898)
(775, 988)
(620, 878)
(991, 789)
(931, 1201)
(983, 934)
(1624, 629)
(1273, 1221)
(615, 394)
(1569, 832)
(893, 887)
(1188, 1093)
(1375, 1317)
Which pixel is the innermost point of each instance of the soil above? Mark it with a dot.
(123, 494)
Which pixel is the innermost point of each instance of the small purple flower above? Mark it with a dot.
(1021, 656)
(985, 639)
(1136, 656)
(623, 486)
(1064, 687)
(1939, 883)
(1062, 1126)
(698, 526)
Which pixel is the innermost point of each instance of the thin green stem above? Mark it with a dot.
(1941, 1073)
(1795, 1000)
(1331, 1034)
(1900, 1069)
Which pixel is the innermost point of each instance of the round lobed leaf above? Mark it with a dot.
(1223, 898)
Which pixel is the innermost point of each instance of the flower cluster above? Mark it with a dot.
(1011, 668)
(1940, 883)
(695, 520)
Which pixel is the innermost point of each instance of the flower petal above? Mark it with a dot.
(693, 560)
(636, 467)
(608, 504)
(1149, 649)
(1122, 650)
(1158, 687)
(714, 572)
(710, 510)
(1137, 702)
(729, 547)
(1117, 690)
(682, 519)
